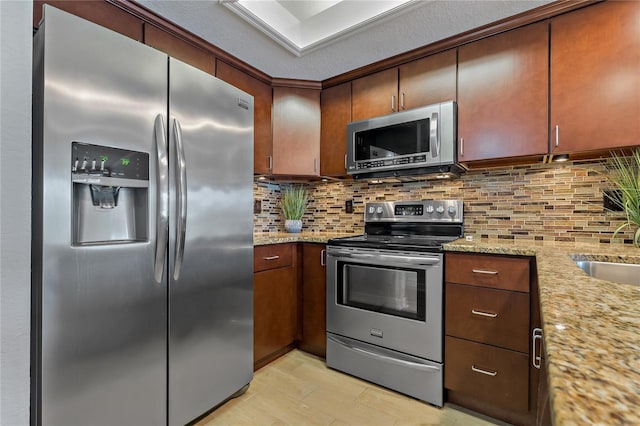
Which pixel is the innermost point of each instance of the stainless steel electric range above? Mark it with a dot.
(385, 296)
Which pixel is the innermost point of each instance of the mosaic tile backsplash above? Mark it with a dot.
(535, 202)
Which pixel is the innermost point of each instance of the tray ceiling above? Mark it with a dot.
(319, 39)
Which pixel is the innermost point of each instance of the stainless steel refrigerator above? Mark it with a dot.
(143, 247)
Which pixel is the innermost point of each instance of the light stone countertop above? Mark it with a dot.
(591, 330)
(264, 238)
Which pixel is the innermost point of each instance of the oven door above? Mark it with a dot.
(387, 298)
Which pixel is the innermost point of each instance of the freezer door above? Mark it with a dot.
(100, 316)
(210, 242)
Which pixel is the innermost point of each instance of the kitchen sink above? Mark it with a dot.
(625, 273)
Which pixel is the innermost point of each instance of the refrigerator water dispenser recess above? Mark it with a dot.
(110, 195)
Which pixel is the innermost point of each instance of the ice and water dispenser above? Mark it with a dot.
(110, 194)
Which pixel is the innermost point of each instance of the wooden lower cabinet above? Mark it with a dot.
(495, 317)
(314, 300)
(488, 373)
(491, 309)
(275, 293)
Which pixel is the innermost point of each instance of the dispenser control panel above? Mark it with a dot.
(105, 161)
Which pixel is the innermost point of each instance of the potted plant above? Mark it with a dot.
(624, 173)
(294, 202)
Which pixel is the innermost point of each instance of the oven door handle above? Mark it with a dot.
(390, 360)
(409, 259)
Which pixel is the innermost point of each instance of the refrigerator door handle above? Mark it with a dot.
(162, 197)
(181, 195)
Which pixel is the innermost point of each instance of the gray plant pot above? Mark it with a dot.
(293, 226)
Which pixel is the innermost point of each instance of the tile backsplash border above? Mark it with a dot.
(556, 202)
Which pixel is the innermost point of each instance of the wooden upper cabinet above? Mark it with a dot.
(503, 95)
(99, 12)
(417, 83)
(262, 100)
(595, 77)
(335, 105)
(375, 94)
(428, 80)
(296, 131)
(179, 49)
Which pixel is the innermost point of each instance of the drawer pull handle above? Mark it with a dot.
(484, 314)
(480, 370)
(271, 257)
(484, 271)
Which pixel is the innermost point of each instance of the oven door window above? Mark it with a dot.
(390, 290)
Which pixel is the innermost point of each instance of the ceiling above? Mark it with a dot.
(312, 40)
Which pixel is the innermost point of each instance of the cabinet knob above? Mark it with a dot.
(393, 103)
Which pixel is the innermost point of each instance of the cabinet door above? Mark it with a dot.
(335, 105)
(428, 80)
(497, 376)
(296, 131)
(595, 77)
(275, 313)
(503, 95)
(314, 299)
(263, 98)
(99, 12)
(179, 49)
(375, 94)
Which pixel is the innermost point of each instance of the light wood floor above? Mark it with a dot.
(299, 389)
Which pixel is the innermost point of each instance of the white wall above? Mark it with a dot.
(15, 209)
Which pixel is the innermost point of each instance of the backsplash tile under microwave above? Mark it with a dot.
(540, 201)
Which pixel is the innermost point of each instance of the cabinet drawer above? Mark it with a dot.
(272, 256)
(486, 315)
(497, 376)
(504, 272)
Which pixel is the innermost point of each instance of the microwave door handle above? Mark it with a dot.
(434, 139)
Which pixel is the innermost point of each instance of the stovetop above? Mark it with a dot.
(397, 242)
(417, 226)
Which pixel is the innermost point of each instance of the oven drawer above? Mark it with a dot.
(503, 272)
(497, 376)
(407, 374)
(272, 256)
(496, 317)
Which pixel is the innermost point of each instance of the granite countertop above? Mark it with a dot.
(591, 330)
(261, 239)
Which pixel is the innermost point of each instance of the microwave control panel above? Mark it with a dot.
(414, 159)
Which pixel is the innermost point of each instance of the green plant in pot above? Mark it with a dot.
(294, 202)
(624, 173)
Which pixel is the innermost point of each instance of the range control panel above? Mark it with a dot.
(106, 161)
(450, 211)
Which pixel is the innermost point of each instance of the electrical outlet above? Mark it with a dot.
(257, 206)
(348, 206)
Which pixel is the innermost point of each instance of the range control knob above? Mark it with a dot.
(452, 210)
(372, 210)
(430, 209)
(379, 210)
(440, 209)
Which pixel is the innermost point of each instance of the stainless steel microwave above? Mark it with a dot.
(416, 141)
